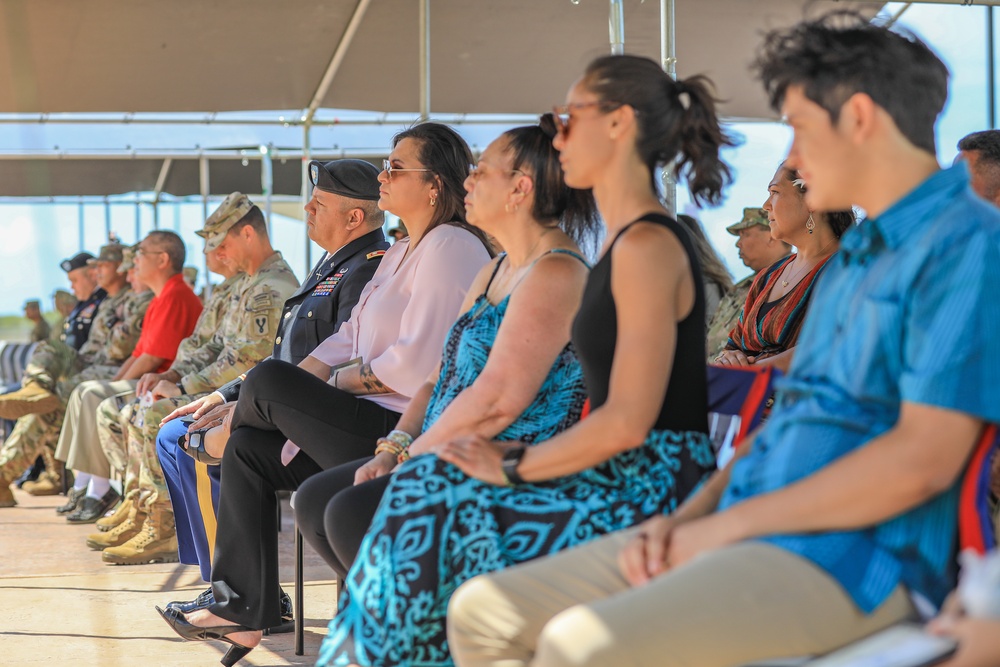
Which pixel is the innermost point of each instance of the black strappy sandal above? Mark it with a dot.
(185, 629)
(192, 443)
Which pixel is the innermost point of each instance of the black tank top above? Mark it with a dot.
(595, 334)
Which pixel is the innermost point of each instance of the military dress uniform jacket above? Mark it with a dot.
(76, 328)
(324, 301)
(245, 335)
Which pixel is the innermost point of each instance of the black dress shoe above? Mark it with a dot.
(206, 599)
(73, 498)
(31, 474)
(91, 509)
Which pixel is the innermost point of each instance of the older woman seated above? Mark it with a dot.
(776, 303)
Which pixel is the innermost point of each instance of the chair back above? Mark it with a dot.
(739, 400)
(976, 529)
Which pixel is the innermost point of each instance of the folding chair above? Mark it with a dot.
(976, 529)
(739, 400)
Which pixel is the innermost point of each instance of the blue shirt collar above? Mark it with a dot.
(911, 214)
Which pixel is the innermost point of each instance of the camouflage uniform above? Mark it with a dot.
(115, 414)
(726, 317)
(41, 331)
(244, 340)
(59, 369)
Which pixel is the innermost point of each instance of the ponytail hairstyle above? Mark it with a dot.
(444, 152)
(555, 204)
(839, 221)
(676, 120)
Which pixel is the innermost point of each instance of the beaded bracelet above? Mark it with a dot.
(403, 456)
(401, 438)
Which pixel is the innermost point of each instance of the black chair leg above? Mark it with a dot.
(299, 614)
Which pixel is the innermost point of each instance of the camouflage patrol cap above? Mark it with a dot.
(61, 296)
(111, 252)
(128, 259)
(751, 216)
(190, 273)
(230, 211)
(32, 303)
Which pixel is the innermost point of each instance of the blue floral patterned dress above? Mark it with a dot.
(437, 527)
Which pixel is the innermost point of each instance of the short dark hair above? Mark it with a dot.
(254, 218)
(676, 120)
(171, 244)
(986, 143)
(445, 153)
(841, 54)
(575, 211)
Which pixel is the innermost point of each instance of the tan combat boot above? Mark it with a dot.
(28, 400)
(106, 523)
(6, 495)
(50, 482)
(129, 527)
(155, 543)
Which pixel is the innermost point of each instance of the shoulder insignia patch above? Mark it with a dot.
(374, 254)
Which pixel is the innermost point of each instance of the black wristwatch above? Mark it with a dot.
(508, 465)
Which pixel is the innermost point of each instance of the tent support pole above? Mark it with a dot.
(205, 190)
(425, 59)
(668, 60)
(991, 85)
(616, 26)
(267, 183)
(161, 181)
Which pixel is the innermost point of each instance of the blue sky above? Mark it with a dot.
(35, 237)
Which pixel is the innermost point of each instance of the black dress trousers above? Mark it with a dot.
(334, 514)
(278, 401)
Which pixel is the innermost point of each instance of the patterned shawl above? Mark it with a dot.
(780, 327)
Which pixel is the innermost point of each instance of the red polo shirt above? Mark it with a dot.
(170, 318)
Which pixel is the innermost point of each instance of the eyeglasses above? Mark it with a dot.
(476, 171)
(390, 170)
(561, 114)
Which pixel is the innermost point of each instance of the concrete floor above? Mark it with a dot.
(59, 604)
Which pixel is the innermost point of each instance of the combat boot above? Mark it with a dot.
(131, 526)
(155, 543)
(6, 495)
(106, 523)
(50, 482)
(28, 400)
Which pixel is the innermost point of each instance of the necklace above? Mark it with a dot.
(824, 251)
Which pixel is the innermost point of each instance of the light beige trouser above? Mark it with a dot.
(79, 445)
(747, 602)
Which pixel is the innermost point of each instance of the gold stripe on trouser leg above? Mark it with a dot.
(205, 503)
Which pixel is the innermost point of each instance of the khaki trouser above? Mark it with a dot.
(79, 445)
(748, 602)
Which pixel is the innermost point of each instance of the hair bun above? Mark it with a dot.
(547, 123)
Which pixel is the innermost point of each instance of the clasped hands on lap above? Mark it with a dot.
(208, 412)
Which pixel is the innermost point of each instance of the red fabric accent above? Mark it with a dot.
(170, 318)
(586, 409)
(755, 398)
(970, 529)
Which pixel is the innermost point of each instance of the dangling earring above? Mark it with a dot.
(810, 224)
(506, 207)
(434, 202)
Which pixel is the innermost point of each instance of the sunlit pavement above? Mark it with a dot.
(59, 604)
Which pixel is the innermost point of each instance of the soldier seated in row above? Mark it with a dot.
(56, 368)
(40, 329)
(169, 319)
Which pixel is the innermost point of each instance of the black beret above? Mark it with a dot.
(356, 179)
(77, 261)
